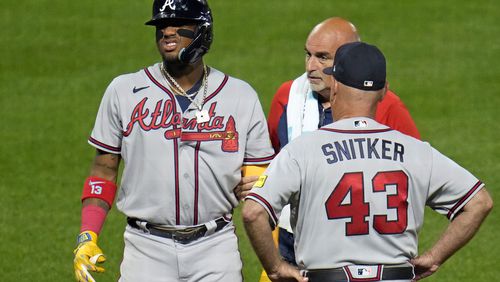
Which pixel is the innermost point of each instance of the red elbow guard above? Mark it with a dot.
(96, 187)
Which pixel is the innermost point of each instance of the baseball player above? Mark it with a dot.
(303, 105)
(184, 130)
(358, 190)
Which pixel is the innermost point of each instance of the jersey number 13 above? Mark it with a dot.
(357, 210)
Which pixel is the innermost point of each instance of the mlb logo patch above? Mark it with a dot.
(360, 123)
(371, 272)
(364, 271)
(368, 83)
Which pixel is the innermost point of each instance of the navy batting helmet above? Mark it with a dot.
(197, 11)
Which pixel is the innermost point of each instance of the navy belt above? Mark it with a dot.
(342, 274)
(183, 236)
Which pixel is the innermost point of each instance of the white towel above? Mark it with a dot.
(302, 113)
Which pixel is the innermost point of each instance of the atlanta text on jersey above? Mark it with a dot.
(363, 148)
(164, 116)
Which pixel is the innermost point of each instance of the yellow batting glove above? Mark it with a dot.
(263, 277)
(87, 255)
(256, 170)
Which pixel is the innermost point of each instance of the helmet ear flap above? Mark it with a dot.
(199, 46)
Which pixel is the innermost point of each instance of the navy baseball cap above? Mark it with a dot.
(359, 65)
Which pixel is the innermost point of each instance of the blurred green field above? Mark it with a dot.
(58, 56)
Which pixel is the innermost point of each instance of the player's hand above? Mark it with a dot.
(286, 272)
(425, 265)
(244, 187)
(87, 256)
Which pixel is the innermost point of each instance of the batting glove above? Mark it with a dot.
(87, 255)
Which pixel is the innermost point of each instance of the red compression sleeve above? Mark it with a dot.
(93, 218)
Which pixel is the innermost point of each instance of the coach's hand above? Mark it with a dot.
(87, 255)
(425, 266)
(244, 187)
(285, 272)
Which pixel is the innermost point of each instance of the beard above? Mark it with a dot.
(171, 59)
(318, 87)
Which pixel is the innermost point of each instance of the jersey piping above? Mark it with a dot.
(196, 182)
(266, 205)
(458, 206)
(105, 147)
(259, 160)
(361, 131)
(223, 83)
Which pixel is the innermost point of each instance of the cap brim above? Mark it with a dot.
(328, 71)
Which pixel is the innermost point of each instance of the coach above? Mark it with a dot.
(358, 218)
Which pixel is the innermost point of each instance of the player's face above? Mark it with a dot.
(320, 52)
(169, 42)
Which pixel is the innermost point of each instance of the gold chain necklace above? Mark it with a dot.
(201, 115)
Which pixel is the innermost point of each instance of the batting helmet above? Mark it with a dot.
(165, 11)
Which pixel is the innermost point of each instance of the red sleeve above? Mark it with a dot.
(392, 112)
(276, 111)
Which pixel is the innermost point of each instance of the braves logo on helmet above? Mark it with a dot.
(170, 4)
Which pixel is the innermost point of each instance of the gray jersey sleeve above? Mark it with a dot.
(258, 148)
(279, 183)
(451, 186)
(107, 133)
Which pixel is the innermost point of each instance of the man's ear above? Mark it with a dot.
(334, 88)
(384, 91)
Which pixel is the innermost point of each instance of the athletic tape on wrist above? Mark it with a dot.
(96, 187)
(86, 236)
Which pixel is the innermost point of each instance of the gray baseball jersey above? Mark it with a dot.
(358, 190)
(178, 171)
